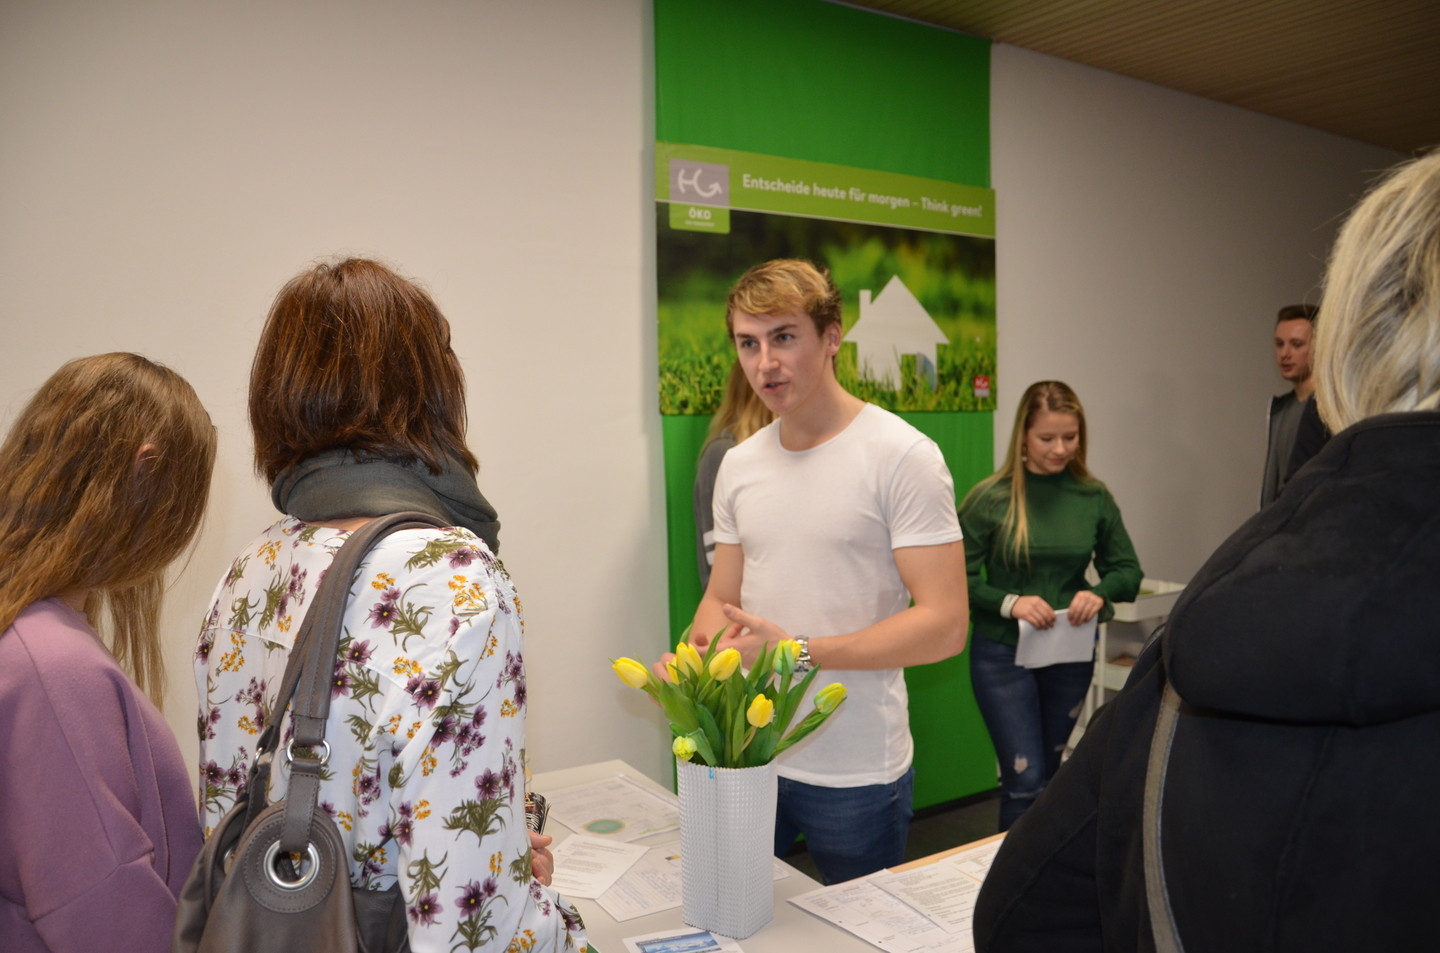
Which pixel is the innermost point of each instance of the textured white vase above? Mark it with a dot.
(727, 840)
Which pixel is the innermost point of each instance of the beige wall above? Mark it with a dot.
(166, 165)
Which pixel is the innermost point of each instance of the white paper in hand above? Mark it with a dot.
(1062, 642)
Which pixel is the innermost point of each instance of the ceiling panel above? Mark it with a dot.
(1364, 69)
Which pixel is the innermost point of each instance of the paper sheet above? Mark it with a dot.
(588, 866)
(944, 891)
(650, 886)
(1062, 642)
(924, 909)
(880, 919)
(653, 884)
(615, 808)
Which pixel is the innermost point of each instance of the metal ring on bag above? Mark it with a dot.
(307, 873)
(290, 752)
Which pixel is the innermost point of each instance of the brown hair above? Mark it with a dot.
(782, 286)
(105, 476)
(1054, 397)
(1297, 312)
(741, 410)
(353, 356)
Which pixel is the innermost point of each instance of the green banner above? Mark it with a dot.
(781, 109)
(701, 183)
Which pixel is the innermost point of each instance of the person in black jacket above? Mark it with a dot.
(1298, 792)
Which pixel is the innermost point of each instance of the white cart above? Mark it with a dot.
(1156, 599)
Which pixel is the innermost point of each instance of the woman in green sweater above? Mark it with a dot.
(1032, 529)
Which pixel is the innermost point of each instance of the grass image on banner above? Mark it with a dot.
(951, 277)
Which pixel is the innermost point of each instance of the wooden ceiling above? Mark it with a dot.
(1365, 69)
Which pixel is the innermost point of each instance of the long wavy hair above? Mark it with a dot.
(741, 411)
(1056, 397)
(103, 481)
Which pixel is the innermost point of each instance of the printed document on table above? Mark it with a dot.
(946, 890)
(653, 884)
(588, 866)
(878, 918)
(1062, 642)
(616, 808)
(927, 908)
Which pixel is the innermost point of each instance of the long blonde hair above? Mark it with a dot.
(103, 480)
(1377, 343)
(741, 410)
(1054, 397)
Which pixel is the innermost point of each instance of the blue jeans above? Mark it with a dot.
(1029, 713)
(850, 832)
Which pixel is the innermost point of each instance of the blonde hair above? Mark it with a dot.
(784, 285)
(1054, 397)
(105, 477)
(741, 410)
(1378, 341)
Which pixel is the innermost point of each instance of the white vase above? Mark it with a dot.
(727, 840)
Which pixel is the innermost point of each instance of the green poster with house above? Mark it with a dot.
(807, 129)
(914, 260)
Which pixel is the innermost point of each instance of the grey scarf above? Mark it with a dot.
(336, 485)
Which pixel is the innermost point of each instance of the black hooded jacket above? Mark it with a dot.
(1302, 800)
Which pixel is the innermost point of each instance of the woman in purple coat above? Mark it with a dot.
(103, 480)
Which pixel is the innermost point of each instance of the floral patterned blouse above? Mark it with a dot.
(426, 731)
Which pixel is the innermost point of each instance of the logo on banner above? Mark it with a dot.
(699, 183)
(699, 196)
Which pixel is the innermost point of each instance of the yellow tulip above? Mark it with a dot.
(761, 711)
(672, 671)
(829, 697)
(631, 672)
(684, 748)
(723, 665)
(786, 654)
(688, 658)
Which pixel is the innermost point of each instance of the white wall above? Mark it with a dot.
(166, 165)
(1146, 239)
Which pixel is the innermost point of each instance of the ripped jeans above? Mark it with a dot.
(1029, 714)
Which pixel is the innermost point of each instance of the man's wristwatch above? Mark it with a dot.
(803, 661)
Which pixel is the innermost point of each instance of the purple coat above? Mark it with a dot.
(98, 827)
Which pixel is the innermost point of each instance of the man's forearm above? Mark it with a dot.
(918, 635)
(709, 620)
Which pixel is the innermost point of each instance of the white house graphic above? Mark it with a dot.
(894, 323)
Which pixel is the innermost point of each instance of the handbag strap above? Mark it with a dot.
(309, 673)
(1157, 894)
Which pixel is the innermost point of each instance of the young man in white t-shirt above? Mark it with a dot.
(828, 523)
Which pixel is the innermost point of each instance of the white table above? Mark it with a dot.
(791, 931)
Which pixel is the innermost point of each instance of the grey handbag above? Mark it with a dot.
(275, 877)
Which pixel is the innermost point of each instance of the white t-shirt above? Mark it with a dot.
(817, 528)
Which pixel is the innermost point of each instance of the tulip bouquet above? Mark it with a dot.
(724, 717)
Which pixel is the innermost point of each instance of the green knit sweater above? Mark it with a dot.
(1070, 522)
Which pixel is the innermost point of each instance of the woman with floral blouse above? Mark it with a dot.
(357, 407)
(103, 480)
